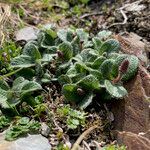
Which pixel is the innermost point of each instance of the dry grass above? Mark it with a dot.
(5, 17)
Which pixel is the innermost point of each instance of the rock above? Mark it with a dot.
(26, 34)
(34, 142)
(133, 141)
(132, 119)
(45, 130)
(132, 44)
(132, 112)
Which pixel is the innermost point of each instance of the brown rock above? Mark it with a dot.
(132, 44)
(133, 141)
(132, 115)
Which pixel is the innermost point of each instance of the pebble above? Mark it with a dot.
(31, 142)
(45, 130)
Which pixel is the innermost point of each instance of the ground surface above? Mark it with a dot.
(117, 16)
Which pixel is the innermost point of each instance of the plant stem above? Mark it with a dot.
(11, 73)
(82, 136)
(118, 78)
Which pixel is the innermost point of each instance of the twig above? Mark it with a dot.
(90, 14)
(124, 21)
(86, 145)
(123, 13)
(82, 136)
(97, 145)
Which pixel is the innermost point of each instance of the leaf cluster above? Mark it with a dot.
(83, 65)
(20, 91)
(23, 126)
(72, 117)
(4, 122)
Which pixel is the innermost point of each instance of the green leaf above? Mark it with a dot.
(4, 122)
(88, 55)
(3, 99)
(19, 83)
(45, 40)
(86, 101)
(67, 50)
(106, 68)
(113, 55)
(97, 43)
(132, 69)
(97, 63)
(4, 85)
(77, 58)
(96, 73)
(62, 69)
(116, 91)
(22, 61)
(84, 1)
(46, 78)
(72, 123)
(104, 34)
(81, 67)
(64, 79)
(70, 93)
(27, 73)
(110, 46)
(87, 44)
(31, 50)
(24, 121)
(89, 83)
(47, 58)
(65, 35)
(29, 87)
(12, 100)
(22, 127)
(48, 29)
(76, 77)
(76, 45)
(83, 36)
(51, 50)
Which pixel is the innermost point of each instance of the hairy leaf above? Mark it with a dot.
(31, 50)
(86, 101)
(115, 91)
(90, 83)
(29, 87)
(106, 68)
(67, 50)
(22, 61)
(65, 35)
(83, 36)
(4, 85)
(104, 34)
(110, 46)
(70, 93)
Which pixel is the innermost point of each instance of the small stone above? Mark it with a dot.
(45, 130)
(34, 142)
(26, 34)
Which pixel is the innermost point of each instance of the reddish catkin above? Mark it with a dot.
(122, 70)
(124, 66)
(60, 54)
(80, 91)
